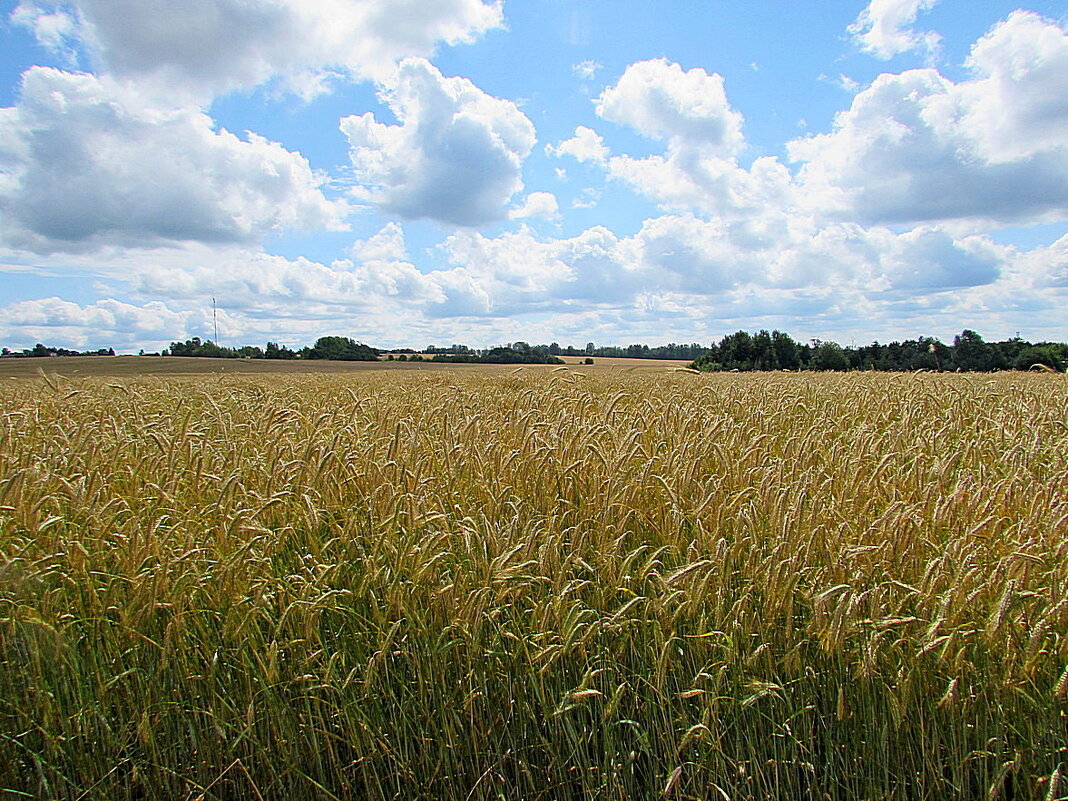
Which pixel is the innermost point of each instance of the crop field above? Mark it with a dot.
(135, 366)
(534, 584)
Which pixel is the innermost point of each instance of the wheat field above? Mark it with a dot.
(534, 585)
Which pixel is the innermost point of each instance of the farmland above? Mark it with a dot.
(536, 584)
(133, 366)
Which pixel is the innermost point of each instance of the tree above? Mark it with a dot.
(273, 351)
(736, 351)
(340, 349)
(970, 352)
(764, 356)
(1045, 355)
(828, 356)
(786, 351)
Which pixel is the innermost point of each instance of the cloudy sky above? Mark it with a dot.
(408, 172)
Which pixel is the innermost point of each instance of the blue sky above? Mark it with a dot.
(408, 172)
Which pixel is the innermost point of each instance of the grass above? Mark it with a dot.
(541, 584)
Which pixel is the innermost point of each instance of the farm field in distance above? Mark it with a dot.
(82, 366)
(537, 583)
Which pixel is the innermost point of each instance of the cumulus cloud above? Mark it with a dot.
(1016, 108)
(455, 156)
(661, 101)
(699, 170)
(684, 257)
(209, 46)
(913, 148)
(585, 145)
(84, 163)
(1046, 268)
(884, 28)
(931, 260)
(387, 245)
(382, 270)
(540, 205)
(687, 178)
(257, 283)
(87, 163)
(918, 147)
(519, 272)
(696, 271)
(104, 321)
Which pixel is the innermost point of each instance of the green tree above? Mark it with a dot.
(786, 350)
(340, 349)
(273, 351)
(970, 352)
(828, 356)
(736, 351)
(1038, 354)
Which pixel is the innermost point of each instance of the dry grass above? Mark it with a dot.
(463, 584)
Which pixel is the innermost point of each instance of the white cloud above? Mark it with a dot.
(679, 274)
(918, 147)
(1046, 268)
(455, 157)
(210, 46)
(1017, 106)
(587, 198)
(661, 101)
(99, 176)
(84, 163)
(703, 134)
(585, 145)
(913, 148)
(587, 70)
(932, 260)
(684, 257)
(843, 82)
(257, 283)
(540, 205)
(387, 245)
(884, 28)
(102, 323)
(518, 272)
(57, 30)
(690, 179)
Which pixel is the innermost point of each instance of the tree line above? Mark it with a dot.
(341, 349)
(776, 350)
(740, 351)
(44, 350)
(669, 351)
(345, 349)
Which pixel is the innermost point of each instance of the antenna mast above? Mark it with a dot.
(215, 320)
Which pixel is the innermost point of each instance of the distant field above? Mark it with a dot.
(170, 365)
(460, 583)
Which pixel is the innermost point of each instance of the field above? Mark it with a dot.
(534, 584)
(119, 366)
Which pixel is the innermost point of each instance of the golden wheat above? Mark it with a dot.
(534, 585)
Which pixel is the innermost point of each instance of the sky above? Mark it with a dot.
(413, 172)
